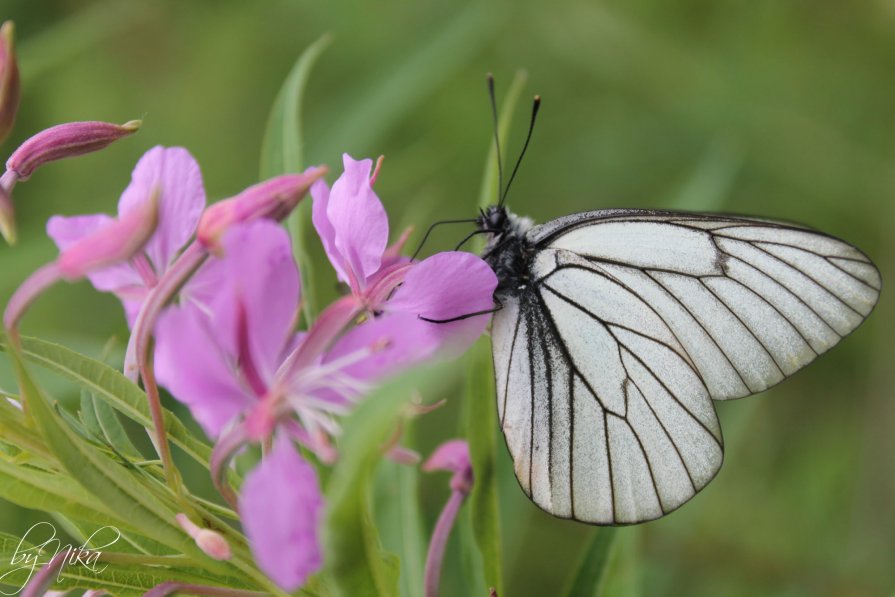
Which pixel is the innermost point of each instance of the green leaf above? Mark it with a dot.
(100, 419)
(119, 489)
(480, 418)
(587, 580)
(120, 579)
(38, 489)
(282, 152)
(112, 387)
(400, 522)
(356, 563)
(482, 429)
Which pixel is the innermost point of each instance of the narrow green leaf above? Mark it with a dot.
(480, 418)
(111, 386)
(482, 430)
(400, 521)
(38, 489)
(587, 580)
(120, 579)
(356, 563)
(282, 152)
(100, 419)
(119, 489)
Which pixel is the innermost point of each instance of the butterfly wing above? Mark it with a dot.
(634, 320)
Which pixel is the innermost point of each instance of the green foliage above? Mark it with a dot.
(112, 387)
(282, 152)
(587, 581)
(355, 562)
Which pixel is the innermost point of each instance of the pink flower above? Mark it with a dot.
(172, 175)
(281, 508)
(353, 227)
(219, 353)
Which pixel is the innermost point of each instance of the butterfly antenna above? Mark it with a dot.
(496, 131)
(531, 127)
(436, 225)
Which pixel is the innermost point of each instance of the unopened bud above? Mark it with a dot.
(210, 542)
(214, 544)
(7, 217)
(114, 243)
(272, 199)
(65, 141)
(10, 89)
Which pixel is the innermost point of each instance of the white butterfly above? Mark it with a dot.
(619, 328)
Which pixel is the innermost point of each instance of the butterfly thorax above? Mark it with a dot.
(509, 251)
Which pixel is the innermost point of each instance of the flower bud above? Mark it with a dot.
(65, 141)
(10, 90)
(273, 199)
(211, 542)
(118, 241)
(214, 544)
(7, 217)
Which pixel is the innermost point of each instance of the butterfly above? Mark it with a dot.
(617, 329)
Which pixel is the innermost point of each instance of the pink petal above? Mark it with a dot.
(359, 221)
(66, 231)
(281, 507)
(262, 276)
(196, 370)
(325, 230)
(384, 346)
(175, 174)
(445, 286)
(451, 456)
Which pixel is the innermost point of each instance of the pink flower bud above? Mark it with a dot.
(211, 542)
(65, 141)
(272, 199)
(7, 217)
(10, 90)
(116, 242)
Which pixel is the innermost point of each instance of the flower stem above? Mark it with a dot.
(438, 543)
(171, 588)
(138, 360)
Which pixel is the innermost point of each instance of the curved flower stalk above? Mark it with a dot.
(107, 244)
(452, 456)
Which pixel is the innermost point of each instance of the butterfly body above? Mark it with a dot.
(619, 328)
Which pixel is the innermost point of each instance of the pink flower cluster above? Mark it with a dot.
(229, 346)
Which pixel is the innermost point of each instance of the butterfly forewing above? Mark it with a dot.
(631, 322)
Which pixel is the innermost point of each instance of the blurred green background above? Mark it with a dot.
(780, 108)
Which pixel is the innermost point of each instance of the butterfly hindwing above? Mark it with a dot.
(631, 322)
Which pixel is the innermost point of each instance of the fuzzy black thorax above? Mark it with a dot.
(509, 251)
